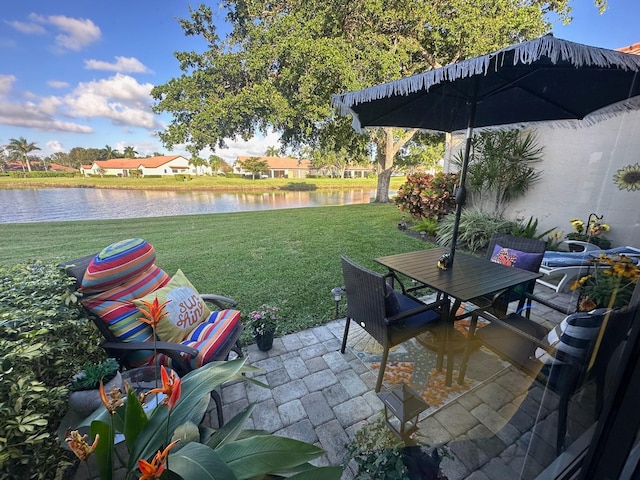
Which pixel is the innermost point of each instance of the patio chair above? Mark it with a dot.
(518, 252)
(390, 317)
(116, 281)
(563, 359)
(561, 269)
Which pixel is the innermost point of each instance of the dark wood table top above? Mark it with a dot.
(468, 278)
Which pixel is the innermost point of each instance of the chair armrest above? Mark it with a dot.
(219, 300)
(170, 349)
(586, 246)
(566, 310)
(414, 311)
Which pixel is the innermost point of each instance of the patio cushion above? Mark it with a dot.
(572, 337)
(116, 263)
(209, 338)
(185, 308)
(516, 258)
(115, 307)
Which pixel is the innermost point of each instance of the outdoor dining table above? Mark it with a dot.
(469, 277)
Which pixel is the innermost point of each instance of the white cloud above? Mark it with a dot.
(122, 64)
(119, 98)
(27, 27)
(6, 83)
(255, 146)
(28, 114)
(57, 84)
(76, 34)
(55, 146)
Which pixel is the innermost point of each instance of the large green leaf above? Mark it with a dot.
(266, 454)
(134, 418)
(319, 473)
(104, 450)
(195, 460)
(230, 431)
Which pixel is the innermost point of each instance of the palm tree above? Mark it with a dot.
(109, 152)
(21, 148)
(129, 152)
(271, 152)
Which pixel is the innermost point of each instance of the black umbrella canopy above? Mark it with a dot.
(542, 80)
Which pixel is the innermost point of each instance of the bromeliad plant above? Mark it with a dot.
(610, 287)
(169, 442)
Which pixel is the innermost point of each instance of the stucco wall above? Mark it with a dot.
(578, 169)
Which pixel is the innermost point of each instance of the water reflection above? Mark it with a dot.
(56, 204)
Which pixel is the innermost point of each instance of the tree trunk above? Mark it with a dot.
(28, 164)
(386, 150)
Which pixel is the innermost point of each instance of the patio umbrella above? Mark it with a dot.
(542, 80)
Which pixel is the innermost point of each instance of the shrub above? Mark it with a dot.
(426, 195)
(92, 374)
(427, 225)
(475, 229)
(44, 337)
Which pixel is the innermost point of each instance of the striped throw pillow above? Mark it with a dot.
(572, 337)
(116, 263)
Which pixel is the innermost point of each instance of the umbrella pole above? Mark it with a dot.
(461, 193)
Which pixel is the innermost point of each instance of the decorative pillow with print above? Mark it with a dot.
(185, 308)
(515, 258)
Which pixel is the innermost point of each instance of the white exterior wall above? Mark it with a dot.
(577, 179)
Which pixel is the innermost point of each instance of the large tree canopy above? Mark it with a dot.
(282, 60)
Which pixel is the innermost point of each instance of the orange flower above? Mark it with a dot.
(586, 305)
(155, 469)
(78, 444)
(154, 312)
(171, 387)
(112, 400)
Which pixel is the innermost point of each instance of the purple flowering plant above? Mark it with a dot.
(264, 320)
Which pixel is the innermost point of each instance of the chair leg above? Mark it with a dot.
(346, 334)
(563, 411)
(467, 349)
(383, 364)
(218, 401)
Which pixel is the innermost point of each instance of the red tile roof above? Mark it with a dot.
(281, 163)
(131, 163)
(634, 49)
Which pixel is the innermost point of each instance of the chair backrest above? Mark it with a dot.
(523, 244)
(366, 291)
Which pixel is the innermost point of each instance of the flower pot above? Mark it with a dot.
(87, 401)
(264, 342)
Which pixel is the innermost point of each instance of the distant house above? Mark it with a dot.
(287, 167)
(123, 167)
(277, 167)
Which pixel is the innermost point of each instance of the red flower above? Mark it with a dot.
(171, 387)
(154, 312)
(155, 469)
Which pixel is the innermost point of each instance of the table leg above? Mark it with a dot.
(449, 317)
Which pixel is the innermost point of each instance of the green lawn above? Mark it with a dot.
(288, 258)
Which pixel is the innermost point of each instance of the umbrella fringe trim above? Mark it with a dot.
(525, 53)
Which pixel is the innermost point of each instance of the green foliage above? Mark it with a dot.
(232, 452)
(428, 225)
(501, 166)
(44, 335)
(92, 374)
(529, 229)
(427, 196)
(254, 166)
(475, 229)
(41, 174)
(377, 452)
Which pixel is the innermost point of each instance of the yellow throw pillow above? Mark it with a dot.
(185, 310)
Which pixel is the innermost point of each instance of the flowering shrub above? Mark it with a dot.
(427, 196)
(608, 287)
(264, 320)
(593, 231)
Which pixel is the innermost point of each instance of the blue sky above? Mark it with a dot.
(79, 73)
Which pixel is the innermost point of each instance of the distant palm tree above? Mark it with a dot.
(21, 148)
(129, 152)
(272, 152)
(109, 152)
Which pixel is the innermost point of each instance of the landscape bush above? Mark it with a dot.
(45, 337)
(427, 196)
(42, 174)
(475, 229)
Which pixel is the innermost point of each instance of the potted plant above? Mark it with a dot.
(84, 395)
(264, 323)
(610, 285)
(593, 231)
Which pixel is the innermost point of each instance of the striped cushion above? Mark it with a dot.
(572, 337)
(209, 338)
(116, 263)
(115, 307)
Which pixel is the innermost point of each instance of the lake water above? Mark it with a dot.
(61, 204)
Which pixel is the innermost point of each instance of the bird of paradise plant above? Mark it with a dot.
(151, 438)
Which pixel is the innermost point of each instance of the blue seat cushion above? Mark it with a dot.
(405, 327)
